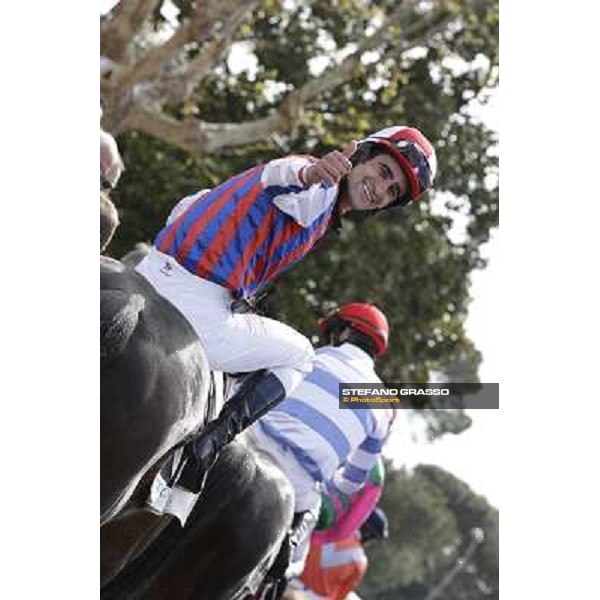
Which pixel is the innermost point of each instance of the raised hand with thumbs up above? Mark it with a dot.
(332, 167)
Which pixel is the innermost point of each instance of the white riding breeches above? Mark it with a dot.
(234, 343)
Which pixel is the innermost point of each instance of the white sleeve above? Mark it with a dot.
(305, 206)
(286, 171)
(184, 204)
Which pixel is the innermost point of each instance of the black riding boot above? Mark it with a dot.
(256, 396)
(278, 575)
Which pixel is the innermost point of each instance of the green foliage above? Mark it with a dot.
(471, 511)
(156, 176)
(431, 515)
(407, 261)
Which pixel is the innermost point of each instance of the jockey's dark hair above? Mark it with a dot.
(364, 342)
(366, 151)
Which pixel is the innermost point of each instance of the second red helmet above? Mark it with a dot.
(366, 318)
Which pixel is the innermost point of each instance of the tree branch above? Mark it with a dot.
(200, 137)
(198, 28)
(123, 23)
(428, 26)
(338, 74)
(175, 88)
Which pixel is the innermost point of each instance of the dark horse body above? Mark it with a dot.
(154, 395)
(155, 381)
(228, 543)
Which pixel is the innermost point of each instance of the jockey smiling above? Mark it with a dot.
(225, 244)
(317, 444)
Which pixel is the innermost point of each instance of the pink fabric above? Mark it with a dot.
(361, 506)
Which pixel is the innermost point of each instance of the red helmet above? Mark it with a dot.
(366, 318)
(413, 152)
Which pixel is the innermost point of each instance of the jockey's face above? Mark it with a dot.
(374, 184)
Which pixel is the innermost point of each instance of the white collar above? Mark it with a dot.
(352, 351)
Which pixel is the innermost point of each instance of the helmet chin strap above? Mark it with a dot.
(345, 334)
(338, 333)
(342, 198)
(355, 157)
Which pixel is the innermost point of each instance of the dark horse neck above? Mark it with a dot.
(154, 382)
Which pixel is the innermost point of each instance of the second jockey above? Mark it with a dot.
(227, 243)
(317, 443)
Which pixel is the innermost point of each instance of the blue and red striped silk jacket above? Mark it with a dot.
(237, 235)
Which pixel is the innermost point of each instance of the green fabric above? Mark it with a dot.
(327, 513)
(377, 473)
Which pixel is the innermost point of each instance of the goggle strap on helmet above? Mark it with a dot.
(358, 320)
